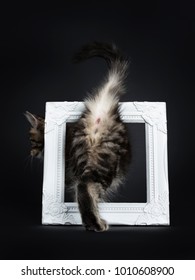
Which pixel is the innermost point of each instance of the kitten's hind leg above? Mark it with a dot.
(88, 197)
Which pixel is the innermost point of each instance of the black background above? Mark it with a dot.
(36, 46)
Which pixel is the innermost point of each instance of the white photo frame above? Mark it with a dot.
(154, 212)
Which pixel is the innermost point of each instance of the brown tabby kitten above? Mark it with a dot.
(98, 153)
(36, 134)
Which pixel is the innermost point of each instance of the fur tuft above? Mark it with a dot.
(96, 49)
(102, 104)
(117, 64)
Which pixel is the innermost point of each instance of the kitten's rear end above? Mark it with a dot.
(99, 151)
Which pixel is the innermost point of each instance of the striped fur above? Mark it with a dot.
(98, 153)
(36, 134)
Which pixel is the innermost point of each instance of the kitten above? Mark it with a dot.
(99, 150)
(36, 134)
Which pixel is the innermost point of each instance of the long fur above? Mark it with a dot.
(98, 150)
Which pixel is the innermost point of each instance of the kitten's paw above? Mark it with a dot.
(100, 226)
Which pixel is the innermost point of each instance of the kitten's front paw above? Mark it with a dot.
(100, 226)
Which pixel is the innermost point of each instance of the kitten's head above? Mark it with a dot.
(36, 134)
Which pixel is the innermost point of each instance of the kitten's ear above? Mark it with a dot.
(32, 119)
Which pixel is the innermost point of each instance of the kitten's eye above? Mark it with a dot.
(36, 144)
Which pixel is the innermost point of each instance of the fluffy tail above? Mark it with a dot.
(114, 84)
